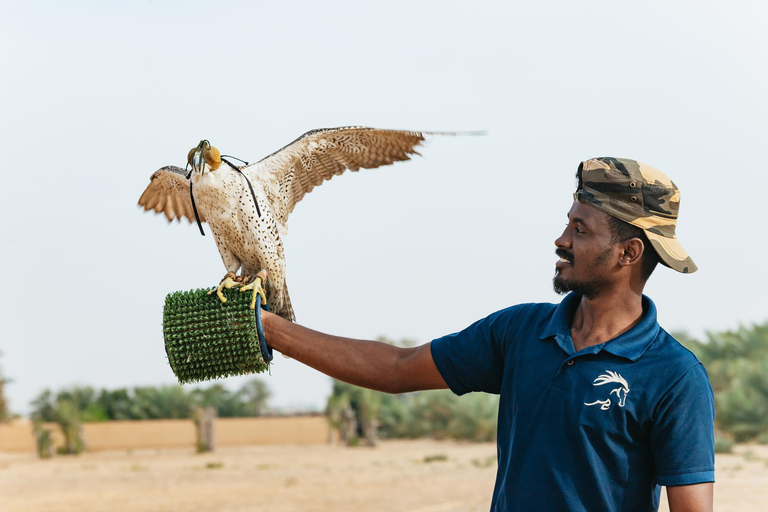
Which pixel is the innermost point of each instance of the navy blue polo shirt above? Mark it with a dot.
(599, 429)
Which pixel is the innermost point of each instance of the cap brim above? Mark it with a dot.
(672, 253)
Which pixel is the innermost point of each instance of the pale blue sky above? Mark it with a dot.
(97, 96)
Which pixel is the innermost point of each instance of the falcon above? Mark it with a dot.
(247, 207)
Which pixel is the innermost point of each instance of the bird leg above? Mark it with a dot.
(256, 284)
(227, 282)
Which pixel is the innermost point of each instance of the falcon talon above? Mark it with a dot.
(220, 295)
(226, 283)
(257, 286)
(258, 294)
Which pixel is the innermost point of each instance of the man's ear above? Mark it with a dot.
(632, 252)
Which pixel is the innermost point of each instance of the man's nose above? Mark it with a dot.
(563, 240)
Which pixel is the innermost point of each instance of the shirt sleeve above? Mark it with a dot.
(473, 359)
(683, 432)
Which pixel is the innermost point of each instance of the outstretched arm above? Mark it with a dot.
(370, 364)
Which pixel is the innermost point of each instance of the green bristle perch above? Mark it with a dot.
(206, 339)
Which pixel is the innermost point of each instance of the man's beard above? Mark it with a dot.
(590, 288)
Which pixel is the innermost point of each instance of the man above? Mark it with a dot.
(599, 406)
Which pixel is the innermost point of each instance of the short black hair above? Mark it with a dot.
(622, 231)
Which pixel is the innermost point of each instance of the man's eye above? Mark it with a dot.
(579, 230)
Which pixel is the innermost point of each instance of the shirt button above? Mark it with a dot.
(570, 362)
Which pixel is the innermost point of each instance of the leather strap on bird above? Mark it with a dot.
(253, 193)
(192, 196)
(194, 209)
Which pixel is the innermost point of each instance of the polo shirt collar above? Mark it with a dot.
(630, 345)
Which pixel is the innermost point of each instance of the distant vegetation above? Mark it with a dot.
(141, 403)
(441, 414)
(71, 407)
(362, 415)
(737, 364)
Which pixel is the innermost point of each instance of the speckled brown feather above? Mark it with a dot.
(319, 155)
(168, 193)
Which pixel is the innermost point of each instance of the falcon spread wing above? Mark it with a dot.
(319, 155)
(247, 207)
(168, 193)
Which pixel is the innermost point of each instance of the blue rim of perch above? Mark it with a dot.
(266, 350)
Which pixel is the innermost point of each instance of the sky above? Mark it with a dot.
(96, 96)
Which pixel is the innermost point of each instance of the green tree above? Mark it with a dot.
(220, 398)
(737, 364)
(84, 400)
(474, 417)
(44, 406)
(70, 420)
(355, 413)
(117, 404)
(249, 400)
(164, 402)
(362, 413)
(342, 412)
(254, 396)
(359, 413)
(441, 414)
(65, 409)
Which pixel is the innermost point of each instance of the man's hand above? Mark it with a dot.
(690, 498)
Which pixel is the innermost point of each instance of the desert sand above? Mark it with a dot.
(416, 476)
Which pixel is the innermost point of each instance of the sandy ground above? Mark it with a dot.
(418, 476)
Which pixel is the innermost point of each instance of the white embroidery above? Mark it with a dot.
(621, 392)
(604, 404)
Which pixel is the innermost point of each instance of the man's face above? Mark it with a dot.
(587, 254)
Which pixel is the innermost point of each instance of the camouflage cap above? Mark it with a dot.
(639, 195)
